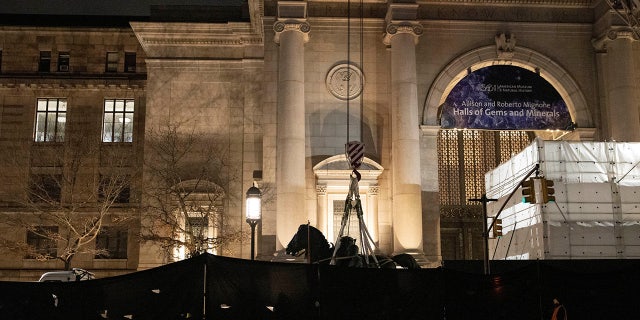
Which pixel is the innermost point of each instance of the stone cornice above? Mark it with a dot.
(25, 83)
(196, 40)
(554, 11)
(563, 3)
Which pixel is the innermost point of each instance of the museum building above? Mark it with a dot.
(439, 93)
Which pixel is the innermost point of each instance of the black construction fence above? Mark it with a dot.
(214, 287)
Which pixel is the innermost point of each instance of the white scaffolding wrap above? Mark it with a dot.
(597, 209)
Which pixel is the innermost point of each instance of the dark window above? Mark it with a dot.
(114, 189)
(45, 188)
(112, 62)
(45, 61)
(129, 62)
(117, 124)
(41, 243)
(51, 118)
(63, 62)
(113, 242)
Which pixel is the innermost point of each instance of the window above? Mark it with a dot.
(114, 189)
(63, 62)
(45, 61)
(45, 188)
(113, 241)
(129, 62)
(112, 62)
(118, 120)
(0, 60)
(198, 227)
(51, 116)
(41, 243)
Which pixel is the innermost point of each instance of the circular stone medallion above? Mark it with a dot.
(339, 76)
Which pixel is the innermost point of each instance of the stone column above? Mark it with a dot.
(290, 154)
(372, 213)
(321, 216)
(402, 36)
(622, 115)
(430, 195)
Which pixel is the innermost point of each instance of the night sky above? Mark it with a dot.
(96, 7)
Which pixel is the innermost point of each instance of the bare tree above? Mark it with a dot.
(68, 191)
(187, 177)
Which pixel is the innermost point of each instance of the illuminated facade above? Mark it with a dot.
(269, 79)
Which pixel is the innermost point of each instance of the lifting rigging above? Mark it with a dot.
(354, 152)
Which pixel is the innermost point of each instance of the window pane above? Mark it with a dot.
(112, 62)
(119, 105)
(117, 132)
(51, 120)
(107, 132)
(42, 105)
(118, 120)
(108, 105)
(129, 62)
(129, 105)
(44, 65)
(63, 61)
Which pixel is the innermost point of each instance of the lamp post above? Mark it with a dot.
(253, 213)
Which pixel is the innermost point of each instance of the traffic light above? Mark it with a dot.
(548, 191)
(497, 228)
(528, 191)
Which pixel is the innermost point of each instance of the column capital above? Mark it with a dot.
(402, 27)
(401, 19)
(621, 33)
(374, 190)
(321, 189)
(291, 25)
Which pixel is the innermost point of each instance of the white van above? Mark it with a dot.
(75, 274)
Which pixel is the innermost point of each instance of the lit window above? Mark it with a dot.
(44, 65)
(41, 243)
(111, 243)
(118, 120)
(51, 117)
(63, 62)
(112, 62)
(129, 62)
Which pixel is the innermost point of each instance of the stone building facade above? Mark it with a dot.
(270, 80)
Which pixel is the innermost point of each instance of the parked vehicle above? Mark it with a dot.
(75, 274)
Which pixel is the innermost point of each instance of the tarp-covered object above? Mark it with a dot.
(212, 287)
(596, 210)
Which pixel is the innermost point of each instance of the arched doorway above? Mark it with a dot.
(332, 186)
(464, 156)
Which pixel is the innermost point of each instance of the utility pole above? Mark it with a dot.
(485, 230)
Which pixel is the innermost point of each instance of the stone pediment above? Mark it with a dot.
(337, 168)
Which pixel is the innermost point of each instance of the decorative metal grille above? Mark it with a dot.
(464, 157)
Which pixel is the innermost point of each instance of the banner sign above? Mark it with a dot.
(504, 97)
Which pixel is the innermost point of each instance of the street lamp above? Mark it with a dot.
(253, 213)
